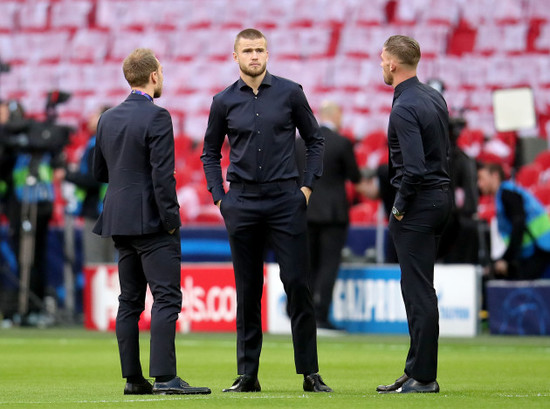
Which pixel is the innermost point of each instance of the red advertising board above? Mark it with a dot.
(208, 298)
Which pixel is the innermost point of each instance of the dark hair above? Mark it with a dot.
(406, 49)
(249, 34)
(492, 168)
(138, 66)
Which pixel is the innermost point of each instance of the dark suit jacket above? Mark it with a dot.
(134, 153)
(328, 202)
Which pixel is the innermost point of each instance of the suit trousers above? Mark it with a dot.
(416, 239)
(258, 215)
(153, 259)
(326, 241)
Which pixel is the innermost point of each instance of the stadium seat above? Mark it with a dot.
(364, 213)
(72, 14)
(542, 192)
(528, 175)
(8, 15)
(462, 39)
(486, 208)
(543, 159)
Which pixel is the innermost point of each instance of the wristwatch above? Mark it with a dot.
(396, 212)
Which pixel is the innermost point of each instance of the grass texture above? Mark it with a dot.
(74, 368)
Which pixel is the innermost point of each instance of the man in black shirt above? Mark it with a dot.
(419, 149)
(259, 113)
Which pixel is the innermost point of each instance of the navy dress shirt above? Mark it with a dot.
(418, 140)
(261, 130)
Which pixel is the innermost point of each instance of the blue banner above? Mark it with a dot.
(519, 307)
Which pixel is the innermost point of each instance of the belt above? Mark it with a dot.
(443, 187)
(256, 187)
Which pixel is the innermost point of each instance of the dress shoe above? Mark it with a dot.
(314, 383)
(414, 386)
(178, 386)
(394, 386)
(245, 383)
(411, 386)
(142, 388)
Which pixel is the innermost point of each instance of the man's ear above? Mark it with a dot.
(154, 77)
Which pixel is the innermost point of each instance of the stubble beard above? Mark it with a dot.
(157, 92)
(253, 72)
(388, 79)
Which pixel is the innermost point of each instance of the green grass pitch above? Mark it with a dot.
(74, 368)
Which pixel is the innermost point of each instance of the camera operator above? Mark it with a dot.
(31, 151)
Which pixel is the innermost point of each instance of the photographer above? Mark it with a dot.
(31, 151)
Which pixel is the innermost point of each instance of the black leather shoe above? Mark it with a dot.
(314, 383)
(178, 386)
(245, 383)
(142, 388)
(413, 386)
(394, 386)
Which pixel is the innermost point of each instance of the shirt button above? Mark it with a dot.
(257, 114)
(259, 132)
(259, 149)
(255, 97)
(260, 167)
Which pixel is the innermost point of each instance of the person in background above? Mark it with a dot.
(32, 163)
(89, 196)
(523, 223)
(134, 154)
(460, 240)
(419, 149)
(378, 186)
(328, 209)
(260, 113)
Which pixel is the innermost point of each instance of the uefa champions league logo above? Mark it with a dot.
(525, 312)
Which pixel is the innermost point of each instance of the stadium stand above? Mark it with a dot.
(331, 47)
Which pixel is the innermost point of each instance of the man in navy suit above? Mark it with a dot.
(134, 154)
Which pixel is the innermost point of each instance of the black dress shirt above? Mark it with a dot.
(418, 139)
(261, 130)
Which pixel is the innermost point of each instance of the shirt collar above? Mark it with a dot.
(266, 81)
(138, 92)
(408, 83)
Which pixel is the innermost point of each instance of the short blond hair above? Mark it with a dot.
(138, 66)
(406, 49)
(249, 34)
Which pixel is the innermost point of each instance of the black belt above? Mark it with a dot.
(443, 187)
(256, 187)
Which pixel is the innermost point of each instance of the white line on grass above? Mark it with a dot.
(160, 398)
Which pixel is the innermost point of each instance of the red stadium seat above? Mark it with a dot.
(543, 160)
(486, 208)
(528, 175)
(471, 141)
(364, 213)
(542, 192)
